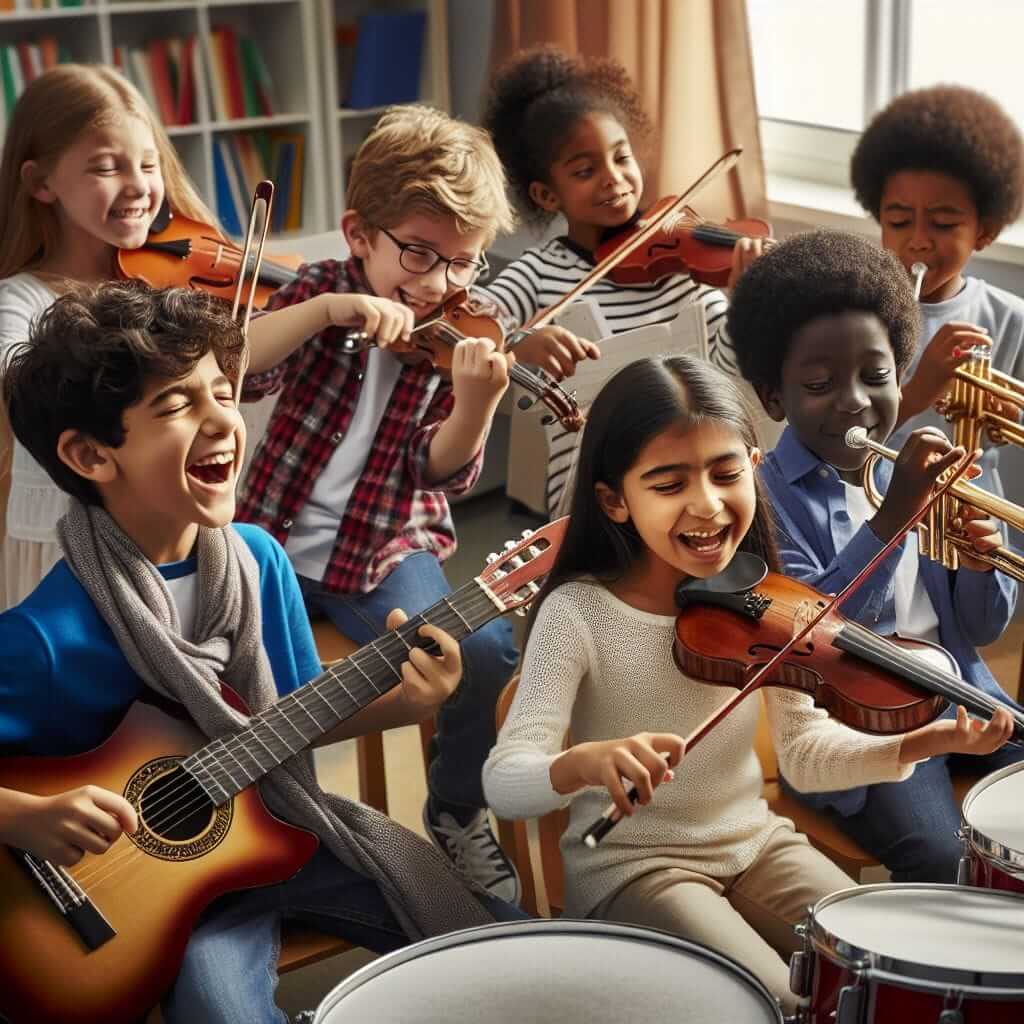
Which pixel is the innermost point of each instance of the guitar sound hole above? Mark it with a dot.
(175, 808)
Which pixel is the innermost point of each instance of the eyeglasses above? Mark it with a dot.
(421, 259)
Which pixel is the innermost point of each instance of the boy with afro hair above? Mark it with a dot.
(824, 327)
(942, 171)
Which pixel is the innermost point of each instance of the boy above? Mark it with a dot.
(363, 448)
(942, 171)
(141, 427)
(824, 327)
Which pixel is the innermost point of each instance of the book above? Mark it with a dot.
(159, 66)
(284, 162)
(7, 54)
(256, 67)
(228, 190)
(186, 82)
(231, 64)
(142, 77)
(388, 59)
(345, 36)
(218, 88)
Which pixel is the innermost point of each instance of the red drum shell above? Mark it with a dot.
(993, 830)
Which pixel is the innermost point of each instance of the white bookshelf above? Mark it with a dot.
(344, 128)
(284, 30)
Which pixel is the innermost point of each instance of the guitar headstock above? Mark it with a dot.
(512, 578)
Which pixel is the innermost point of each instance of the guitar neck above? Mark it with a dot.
(227, 766)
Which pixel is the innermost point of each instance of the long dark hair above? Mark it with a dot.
(641, 401)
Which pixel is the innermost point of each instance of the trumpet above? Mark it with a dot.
(941, 535)
(983, 401)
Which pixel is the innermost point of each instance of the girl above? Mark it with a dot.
(666, 490)
(85, 169)
(569, 132)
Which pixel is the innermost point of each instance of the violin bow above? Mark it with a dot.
(612, 815)
(725, 163)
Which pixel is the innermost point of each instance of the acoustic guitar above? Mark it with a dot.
(102, 941)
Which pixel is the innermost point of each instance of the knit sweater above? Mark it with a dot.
(602, 669)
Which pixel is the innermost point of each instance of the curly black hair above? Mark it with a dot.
(94, 353)
(535, 99)
(818, 273)
(950, 129)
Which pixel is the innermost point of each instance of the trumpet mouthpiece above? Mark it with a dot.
(857, 437)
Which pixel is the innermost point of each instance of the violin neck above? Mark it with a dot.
(863, 643)
(715, 234)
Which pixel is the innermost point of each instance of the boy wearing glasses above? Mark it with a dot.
(362, 448)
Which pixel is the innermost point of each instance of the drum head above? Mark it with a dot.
(935, 932)
(995, 808)
(551, 972)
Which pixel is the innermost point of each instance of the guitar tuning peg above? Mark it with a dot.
(492, 558)
(509, 545)
(533, 551)
(526, 533)
(516, 561)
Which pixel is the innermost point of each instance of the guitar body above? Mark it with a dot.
(151, 899)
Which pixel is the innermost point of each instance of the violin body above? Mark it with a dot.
(725, 638)
(683, 246)
(183, 253)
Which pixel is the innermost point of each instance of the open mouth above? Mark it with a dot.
(129, 213)
(419, 307)
(212, 469)
(618, 200)
(706, 542)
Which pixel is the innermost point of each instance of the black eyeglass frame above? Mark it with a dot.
(481, 266)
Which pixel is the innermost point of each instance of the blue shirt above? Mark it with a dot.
(64, 683)
(819, 545)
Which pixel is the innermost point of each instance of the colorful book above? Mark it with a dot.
(7, 55)
(388, 59)
(256, 68)
(231, 65)
(218, 87)
(159, 68)
(230, 209)
(187, 82)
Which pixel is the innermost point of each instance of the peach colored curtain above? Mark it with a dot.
(691, 61)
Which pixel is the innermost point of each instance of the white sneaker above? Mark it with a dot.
(475, 852)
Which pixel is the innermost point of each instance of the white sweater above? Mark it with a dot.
(601, 669)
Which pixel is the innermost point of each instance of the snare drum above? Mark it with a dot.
(993, 831)
(927, 954)
(551, 972)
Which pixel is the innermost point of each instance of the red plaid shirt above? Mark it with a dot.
(394, 510)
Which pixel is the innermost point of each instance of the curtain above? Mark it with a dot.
(692, 64)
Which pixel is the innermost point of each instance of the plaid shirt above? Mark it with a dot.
(394, 510)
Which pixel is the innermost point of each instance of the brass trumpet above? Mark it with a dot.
(941, 535)
(983, 401)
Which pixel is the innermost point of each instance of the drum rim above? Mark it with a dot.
(1004, 857)
(547, 926)
(872, 964)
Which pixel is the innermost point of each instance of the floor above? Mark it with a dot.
(483, 525)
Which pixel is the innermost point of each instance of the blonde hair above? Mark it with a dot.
(49, 117)
(420, 160)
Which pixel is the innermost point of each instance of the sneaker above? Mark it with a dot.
(474, 851)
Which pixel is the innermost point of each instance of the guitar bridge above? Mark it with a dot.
(70, 900)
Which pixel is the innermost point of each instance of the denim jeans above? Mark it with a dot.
(465, 723)
(911, 826)
(229, 974)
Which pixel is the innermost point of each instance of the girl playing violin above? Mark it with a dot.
(666, 489)
(825, 327)
(571, 133)
(86, 167)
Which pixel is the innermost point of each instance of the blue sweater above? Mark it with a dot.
(64, 683)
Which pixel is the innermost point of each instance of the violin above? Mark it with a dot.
(730, 625)
(455, 320)
(184, 253)
(683, 244)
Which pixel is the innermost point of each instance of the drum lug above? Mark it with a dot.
(951, 1017)
(800, 973)
(963, 873)
(952, 1013)
(850, 1005)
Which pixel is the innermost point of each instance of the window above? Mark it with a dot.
(822, 69)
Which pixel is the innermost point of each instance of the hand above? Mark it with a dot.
(383, 320)
(556, 350)
(428, 680)
(950, 346)
(480, 375)
(924, 458)
(984, 533)
(64, 827)
(744, 252)
(637, 759)
(965, 735)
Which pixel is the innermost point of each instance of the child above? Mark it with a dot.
(824, 327)
(141, 428)
(666, 490)
(362, 449)
(571, 133)
(86, 167)
(942, 171)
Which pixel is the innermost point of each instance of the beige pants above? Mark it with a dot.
(749, 916)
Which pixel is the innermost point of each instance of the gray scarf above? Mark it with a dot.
(418, 882)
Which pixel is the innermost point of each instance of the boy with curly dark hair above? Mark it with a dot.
(942, 171)
(824, 328)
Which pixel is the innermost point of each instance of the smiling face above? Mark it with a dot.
(839, 373)
(106, 188)
(931, 218)
(388, 279)
(595, 181)
(690, 495)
